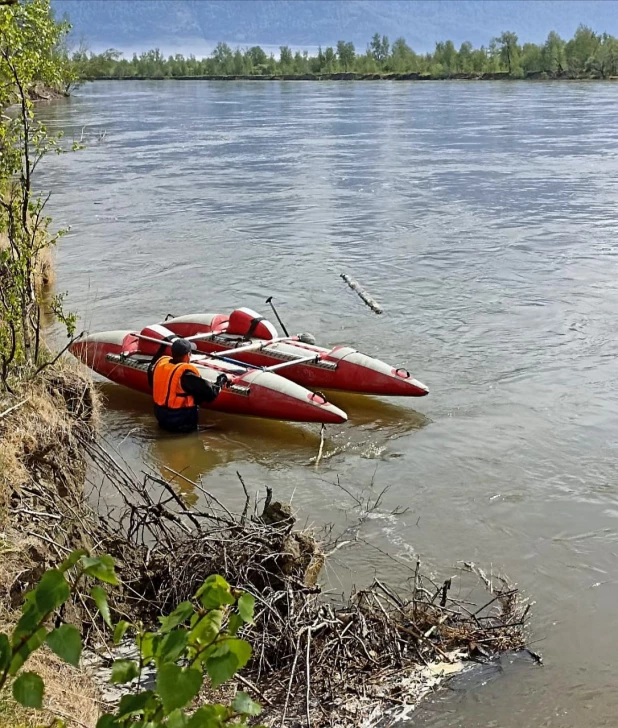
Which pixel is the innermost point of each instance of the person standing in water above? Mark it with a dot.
(178, 389)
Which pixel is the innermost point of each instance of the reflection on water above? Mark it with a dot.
(227, 439)
(484, 219)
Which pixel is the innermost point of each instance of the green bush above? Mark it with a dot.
(200, 637)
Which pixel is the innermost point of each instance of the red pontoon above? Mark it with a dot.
(124, 356)
(246, 337)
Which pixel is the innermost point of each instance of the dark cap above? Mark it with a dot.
(180, 347)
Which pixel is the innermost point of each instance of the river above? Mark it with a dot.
(484, 218)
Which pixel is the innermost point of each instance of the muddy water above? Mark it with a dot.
(484, 218)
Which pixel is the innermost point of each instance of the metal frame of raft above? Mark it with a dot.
(241, 349)
(141, 365)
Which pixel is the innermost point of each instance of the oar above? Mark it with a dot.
(163, 342)
(269, 301)
(254, 346)
(273, 368)
(303, 360)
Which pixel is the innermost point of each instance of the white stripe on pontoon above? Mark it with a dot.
(159, 329)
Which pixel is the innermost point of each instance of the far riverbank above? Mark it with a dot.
(363, 77)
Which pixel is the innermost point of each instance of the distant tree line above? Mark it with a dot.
(587, 54)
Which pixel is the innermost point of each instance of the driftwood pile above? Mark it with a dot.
(317, 661)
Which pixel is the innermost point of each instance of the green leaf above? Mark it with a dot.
(70, 562)
(224, 660)
(24, 652)
(29, 620)
(66, 642)
(177, 719)
(172, 646)
(209, 716)
(243, 704)
(182, 612)
(221, 666)
(120, 631)
(207, 629)
(147, 644)
(246, 606)
(177, 686)
(124, 671)
(51, 591)
(107, 721)
(131, 705)
(28, 690)
(5, 652)
(241, 649)
(100, 599)
(215, 592)
(101, 568)
(234, 624)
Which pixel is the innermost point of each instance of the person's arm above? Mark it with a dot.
(198, 388)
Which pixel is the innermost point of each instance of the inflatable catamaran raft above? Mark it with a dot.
(267, 373)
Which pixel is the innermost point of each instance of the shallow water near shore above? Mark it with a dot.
(484, 219)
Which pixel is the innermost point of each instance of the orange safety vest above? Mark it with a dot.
(166, 388)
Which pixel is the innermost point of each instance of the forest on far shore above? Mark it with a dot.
(587, 54)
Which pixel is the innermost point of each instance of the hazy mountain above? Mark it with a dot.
(195, 25)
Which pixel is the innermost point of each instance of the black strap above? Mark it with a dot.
(253, 326)
(169, 384)
(160, 352)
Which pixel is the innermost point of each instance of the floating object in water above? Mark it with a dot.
(362, 294)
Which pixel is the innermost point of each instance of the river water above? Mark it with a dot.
(484, 218)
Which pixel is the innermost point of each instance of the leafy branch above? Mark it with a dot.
(200, 637)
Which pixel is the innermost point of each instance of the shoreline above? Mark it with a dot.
(360, 77)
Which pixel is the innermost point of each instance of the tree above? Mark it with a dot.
(581, 49)
(223, 58)
(239, 63)
(258, 58)
(446, 56)
(346, 54)
(532, 60)
(286, 59)
(554, 56)
(479, 60)
(464, 58)
(509, 52)
(330, 60)
(605, 60)
(316, 64)
(180, 65)
(103, 64)
(403, 59)
(366, 63)
(301, 62)
(493, 57)
(379, 48)
(29, 39)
